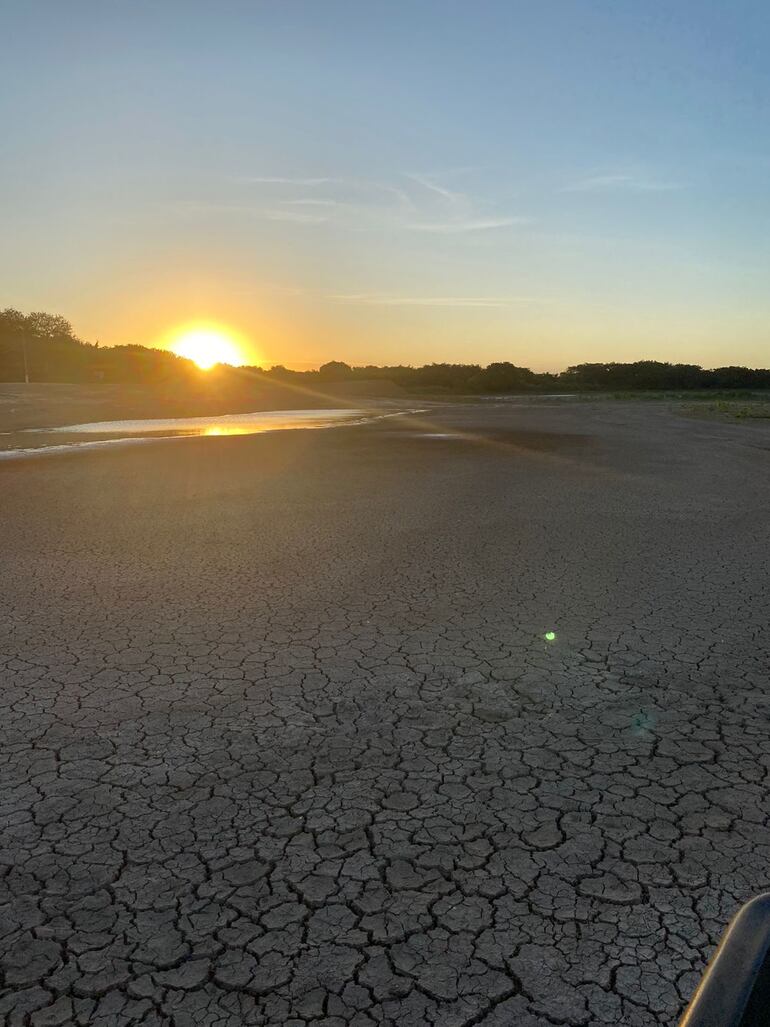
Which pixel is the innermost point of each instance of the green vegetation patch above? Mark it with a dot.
(755, 408)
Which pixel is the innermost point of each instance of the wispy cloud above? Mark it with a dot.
(243, 210)
(385, 300)
(468, 225)
(413, 202)
(310, 202)
(447, 195)
(299, 217)
(282, 180)
(448, 211)
(343, 190)
(620, 183)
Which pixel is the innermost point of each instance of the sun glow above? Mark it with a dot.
(207, 346)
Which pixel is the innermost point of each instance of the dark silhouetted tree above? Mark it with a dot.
(335, 371)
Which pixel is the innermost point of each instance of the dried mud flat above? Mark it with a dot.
(284, 740)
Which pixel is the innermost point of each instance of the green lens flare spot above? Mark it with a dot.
(550, 636)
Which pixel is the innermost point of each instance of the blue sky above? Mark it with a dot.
(545, 182)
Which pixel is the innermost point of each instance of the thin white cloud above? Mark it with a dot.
(446, 211)
(283, 180)
(207, 207)
(619, 183)
(310, 202)
(385, 300)
(414, 203)
(470, 225)
(196, 207)
(299, 217)
(453, 198)
(347, 191)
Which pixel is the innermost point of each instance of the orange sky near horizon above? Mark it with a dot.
(302, 330)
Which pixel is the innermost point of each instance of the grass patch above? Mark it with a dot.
(732, 409)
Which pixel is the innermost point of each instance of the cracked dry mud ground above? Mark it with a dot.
(283, 742)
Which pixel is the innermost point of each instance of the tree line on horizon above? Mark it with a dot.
(42, 347)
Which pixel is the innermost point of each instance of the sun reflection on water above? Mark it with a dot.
(220, 429)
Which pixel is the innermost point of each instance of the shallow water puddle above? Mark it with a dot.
(103, 433)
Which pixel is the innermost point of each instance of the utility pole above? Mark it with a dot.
(26, 366)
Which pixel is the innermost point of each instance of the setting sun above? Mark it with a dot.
(207, 347)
